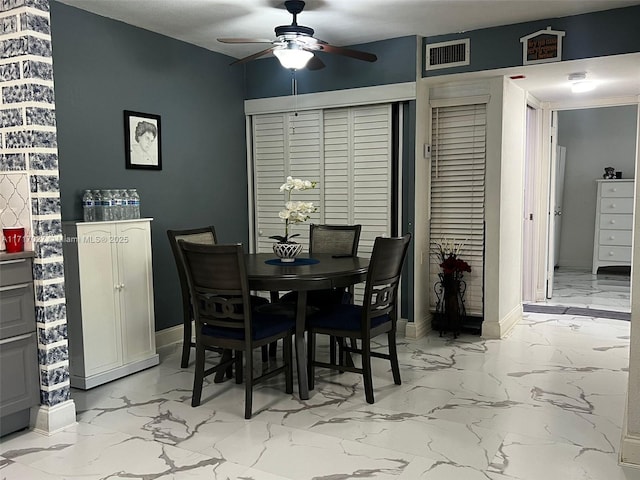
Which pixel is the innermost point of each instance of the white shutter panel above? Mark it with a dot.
(284, 144)
(457, 192)
(269, 164)
(338, 169)
(305, 151)
(372, 145)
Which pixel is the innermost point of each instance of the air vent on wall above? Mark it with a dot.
(447, 54)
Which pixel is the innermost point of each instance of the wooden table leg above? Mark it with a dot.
(301, 357)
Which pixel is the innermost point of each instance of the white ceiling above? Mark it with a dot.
(351, 22)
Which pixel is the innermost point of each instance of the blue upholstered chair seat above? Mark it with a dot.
(343, 317)
(264, 326)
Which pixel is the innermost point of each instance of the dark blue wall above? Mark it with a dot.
(610, 32)
(103, 67)
(396, 64)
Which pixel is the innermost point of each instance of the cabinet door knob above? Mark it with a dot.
(611, 254)
(614, 189)
(611, 237)
(612, 222)
(613, 205)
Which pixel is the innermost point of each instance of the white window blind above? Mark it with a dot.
(457, 192)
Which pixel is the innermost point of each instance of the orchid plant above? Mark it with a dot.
(294, 211)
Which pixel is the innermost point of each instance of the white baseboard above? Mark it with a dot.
(418, 328)
(169, 336)
(630, 451)
(629, 444)
(49, 420)
(497, 330)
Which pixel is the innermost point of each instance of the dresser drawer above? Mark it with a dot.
(614, 189)
(614, 254)
(613, 221)
(18, 374)
(615, 237)
(17, 310)
(15, 271)
(616, 205)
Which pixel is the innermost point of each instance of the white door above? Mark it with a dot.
(133, 243)
(561, 153)
(551, 246)
(528, 229)
(98, 291)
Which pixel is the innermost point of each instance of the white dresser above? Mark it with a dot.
(614, 224)
(109, 289)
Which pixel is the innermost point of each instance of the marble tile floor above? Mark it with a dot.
(544, 403)
(608, 290)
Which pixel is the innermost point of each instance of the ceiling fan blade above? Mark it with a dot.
(315, 63)
(367, 57)
(255, 55)
(244, 40)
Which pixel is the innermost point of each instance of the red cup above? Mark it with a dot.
(13, 239)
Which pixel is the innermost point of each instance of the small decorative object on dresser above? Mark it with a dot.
(609, 173)
(293, 212)
(614, 224)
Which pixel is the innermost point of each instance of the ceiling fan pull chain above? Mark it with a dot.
(294, 92)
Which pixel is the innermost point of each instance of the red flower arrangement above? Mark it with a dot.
(454, 265)
(446, 253)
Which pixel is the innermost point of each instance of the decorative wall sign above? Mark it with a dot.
(142, 140)
(542, 46)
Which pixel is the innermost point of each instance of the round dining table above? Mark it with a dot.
(323, 271)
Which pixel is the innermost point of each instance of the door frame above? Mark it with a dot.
(544, 180)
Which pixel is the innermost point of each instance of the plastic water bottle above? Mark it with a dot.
(88, 207)
(124, 205)
(107, 205)
(118, 209)
(134, 199)
(97, 199)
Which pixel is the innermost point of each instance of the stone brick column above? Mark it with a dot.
(28, 147)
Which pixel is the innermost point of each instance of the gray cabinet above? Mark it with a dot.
(19, 386)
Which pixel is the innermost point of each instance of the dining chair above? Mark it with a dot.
(376, 315)
(224, 318)
(205, 236)
(342, 240)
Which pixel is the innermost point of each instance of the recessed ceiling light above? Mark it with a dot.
(579, 82)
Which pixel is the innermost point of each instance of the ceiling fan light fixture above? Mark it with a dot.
(293, 57)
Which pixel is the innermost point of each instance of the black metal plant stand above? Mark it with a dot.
(450, 310)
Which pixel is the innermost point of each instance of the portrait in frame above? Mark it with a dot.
(142, 140)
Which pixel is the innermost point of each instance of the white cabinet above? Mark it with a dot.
(109, 289)
(614, 224)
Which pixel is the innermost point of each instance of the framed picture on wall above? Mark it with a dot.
(142, 140)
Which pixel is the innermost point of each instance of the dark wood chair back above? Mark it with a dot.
(383, 277)
(203, 235)
(217, 281)
(334, 239)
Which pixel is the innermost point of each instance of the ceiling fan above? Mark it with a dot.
(295, 44)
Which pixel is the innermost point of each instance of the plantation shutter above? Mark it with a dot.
(457, 192)
(348, 151)
(269, 170)
(358, 171)
(284, 144)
